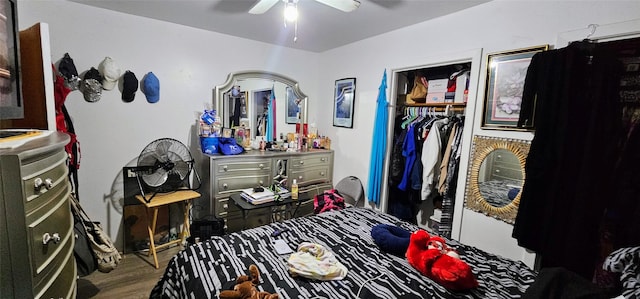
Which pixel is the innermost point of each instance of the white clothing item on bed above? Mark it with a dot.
(315, 262)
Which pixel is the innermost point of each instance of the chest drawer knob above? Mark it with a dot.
(48, 183)
(497, 170)
(38, 183)
(261, 183)
(225, 168)
(322, 173)
(261, 166)
(301, 162)
(225, 206)
(323, 159)
(46, 238)
(225, 186)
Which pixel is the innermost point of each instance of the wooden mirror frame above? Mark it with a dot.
(481, 148)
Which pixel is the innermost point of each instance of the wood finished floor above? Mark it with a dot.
(134, 277)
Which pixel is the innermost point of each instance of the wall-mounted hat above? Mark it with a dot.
(110, 73)
(68, 70)
(91, 87)
(129, 86)
(151, 87)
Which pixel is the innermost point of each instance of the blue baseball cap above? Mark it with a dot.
(151, 87)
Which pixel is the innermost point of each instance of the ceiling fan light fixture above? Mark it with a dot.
(291, 11)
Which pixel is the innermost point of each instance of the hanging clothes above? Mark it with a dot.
(450, 179)
(431, 158)
(572, 95)
(379, 144)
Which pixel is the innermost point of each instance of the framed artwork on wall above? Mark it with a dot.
(506, 72)
(343, 102)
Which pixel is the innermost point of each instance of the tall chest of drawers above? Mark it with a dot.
(227, 175)
(36, 226)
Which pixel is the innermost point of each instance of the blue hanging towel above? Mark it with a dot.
(379, 144)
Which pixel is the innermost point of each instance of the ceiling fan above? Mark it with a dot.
(344, 5)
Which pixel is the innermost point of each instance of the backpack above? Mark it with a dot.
(327, 201)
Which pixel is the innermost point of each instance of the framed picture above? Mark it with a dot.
(293, 106)
(227, 132)
(343, 102)
(506, 72)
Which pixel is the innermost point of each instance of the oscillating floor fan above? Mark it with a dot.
(164, 165)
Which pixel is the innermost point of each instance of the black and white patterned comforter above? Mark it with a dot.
(199, 271)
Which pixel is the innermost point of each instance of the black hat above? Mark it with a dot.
(129, 86)
(91, 86)
(68, 70)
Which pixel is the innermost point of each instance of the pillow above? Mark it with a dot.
(391, 239)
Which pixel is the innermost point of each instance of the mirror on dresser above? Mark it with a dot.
(496, 176)
(242, 101)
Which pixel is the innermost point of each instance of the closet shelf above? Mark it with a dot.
(436, 105)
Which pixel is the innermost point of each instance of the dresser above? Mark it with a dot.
(36, 226)
(223, 176)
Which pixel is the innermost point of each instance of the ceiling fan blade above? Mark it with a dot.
(344, 5)
(262, 6)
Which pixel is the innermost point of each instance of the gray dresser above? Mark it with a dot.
(36, 227)
(223, 176)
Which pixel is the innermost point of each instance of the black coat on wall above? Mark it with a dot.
(573, 95)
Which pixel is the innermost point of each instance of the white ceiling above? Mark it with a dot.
(320, 28)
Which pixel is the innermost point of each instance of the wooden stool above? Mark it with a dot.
(160, 200)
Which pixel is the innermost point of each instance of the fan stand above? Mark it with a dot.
(138, 170)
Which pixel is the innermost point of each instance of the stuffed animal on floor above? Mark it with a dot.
(245, 287)
(433, 258)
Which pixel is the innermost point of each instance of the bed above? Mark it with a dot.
(499, 193)
(201, 270)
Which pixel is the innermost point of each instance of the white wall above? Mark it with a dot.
(189, 62)
(495, 26)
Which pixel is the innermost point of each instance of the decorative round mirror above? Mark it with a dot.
(496, 176)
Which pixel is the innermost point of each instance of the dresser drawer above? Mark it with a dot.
(221, 167)
(52, 218)
(298, 162)
(38, 181)
(232, 184)
(312, 175)
(64, 284)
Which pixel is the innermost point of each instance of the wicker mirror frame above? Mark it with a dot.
(481, 148)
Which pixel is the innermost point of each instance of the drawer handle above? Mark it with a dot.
(261, 183)
(299, 179)
(225, 206)
(46, 238)
(301, 162)
(321, 173)
(261, 166)
(48, 183)
(497, 170)
(323, 159)
(225, 167)
(225, 186)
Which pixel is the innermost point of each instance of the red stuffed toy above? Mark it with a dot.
(434, 259)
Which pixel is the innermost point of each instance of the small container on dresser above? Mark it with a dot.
(36, 231)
